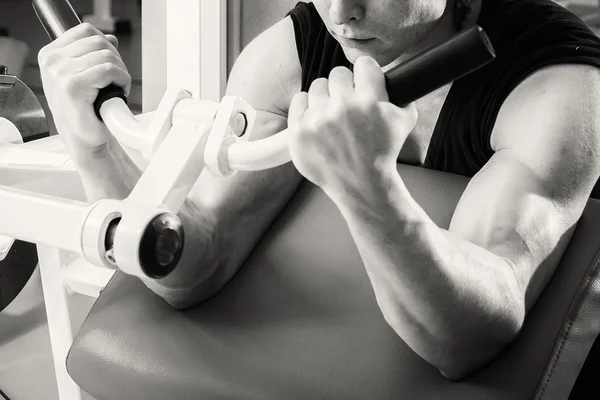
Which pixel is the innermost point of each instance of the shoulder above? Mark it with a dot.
(551, 123)
(268, 73)
(548, 102)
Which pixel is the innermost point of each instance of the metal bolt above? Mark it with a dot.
(238, 124)
(110, 257)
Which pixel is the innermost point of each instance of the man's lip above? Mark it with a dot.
(352, 41)
(353, 38)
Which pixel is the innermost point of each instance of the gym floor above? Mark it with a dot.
(26, 367)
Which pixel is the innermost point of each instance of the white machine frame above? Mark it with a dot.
(167, 140)
(102, 17)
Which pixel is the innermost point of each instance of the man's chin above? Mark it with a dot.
(352, 54)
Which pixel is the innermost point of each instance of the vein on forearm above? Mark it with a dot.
(432, 286)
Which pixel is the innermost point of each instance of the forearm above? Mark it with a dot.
(454, 303)
(109, 173)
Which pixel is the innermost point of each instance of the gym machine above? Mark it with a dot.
(300, 321)
(142, 235)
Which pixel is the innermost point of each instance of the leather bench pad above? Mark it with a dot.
(300, 321)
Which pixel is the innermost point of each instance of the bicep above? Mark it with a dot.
(506, 210)
(524, 204)
(237, 210)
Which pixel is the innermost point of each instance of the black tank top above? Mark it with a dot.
(526, 35)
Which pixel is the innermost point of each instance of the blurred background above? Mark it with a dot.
(18, 22)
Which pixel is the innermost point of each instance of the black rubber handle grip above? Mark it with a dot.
(439, 66)
(57, 17)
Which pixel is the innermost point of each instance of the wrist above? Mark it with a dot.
(382, 189)
(89, 156)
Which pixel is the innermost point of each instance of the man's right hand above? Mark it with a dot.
(74, 67)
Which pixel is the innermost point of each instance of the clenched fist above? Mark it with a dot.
(344, 133)
(74, 68)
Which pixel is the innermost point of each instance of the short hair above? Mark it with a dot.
(462, 9)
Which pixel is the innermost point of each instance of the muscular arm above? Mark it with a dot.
(223, 217)
(459, 296)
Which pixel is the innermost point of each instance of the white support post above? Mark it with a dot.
(59, 320)
(235, 31)
(213, 23)
(197, 47)
(102, 17)
(102, 9)
(154, 53)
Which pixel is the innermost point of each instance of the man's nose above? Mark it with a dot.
(343, 11)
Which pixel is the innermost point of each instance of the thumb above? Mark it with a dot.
(298, 106)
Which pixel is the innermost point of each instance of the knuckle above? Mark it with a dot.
(42, 56)
(88, 28)
(298, 97)
(311, 124)
(98, 42)
(69, 85)
(47, 58)
(108, 55)
(108, 68)
(60, 70)
(319, 83)
(57, 66)
(338, 109)
(388, 112)
(367, 105)
(340, 71)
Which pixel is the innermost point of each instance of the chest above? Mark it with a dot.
(417, 143)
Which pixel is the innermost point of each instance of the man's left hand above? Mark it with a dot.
(344, 133)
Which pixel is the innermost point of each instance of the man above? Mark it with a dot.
(526, 129)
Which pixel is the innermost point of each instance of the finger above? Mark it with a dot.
(341, 82)
(369, 80)
(99, 57)
(77, 32)
(298, 106)
(88, 45)
(318, 93)
(113, 40)
(101, 76)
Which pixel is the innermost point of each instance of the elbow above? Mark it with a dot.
(458, 372)
(182, 303)
(178, 298)
(466, 354)
(191, 285)
(455, 375)
(182, 297)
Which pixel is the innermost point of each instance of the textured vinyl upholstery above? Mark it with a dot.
(300, 321)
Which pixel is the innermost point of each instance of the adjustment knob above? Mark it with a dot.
(3, 70)
(162, 245)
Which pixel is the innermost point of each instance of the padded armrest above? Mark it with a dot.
(300, 321)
